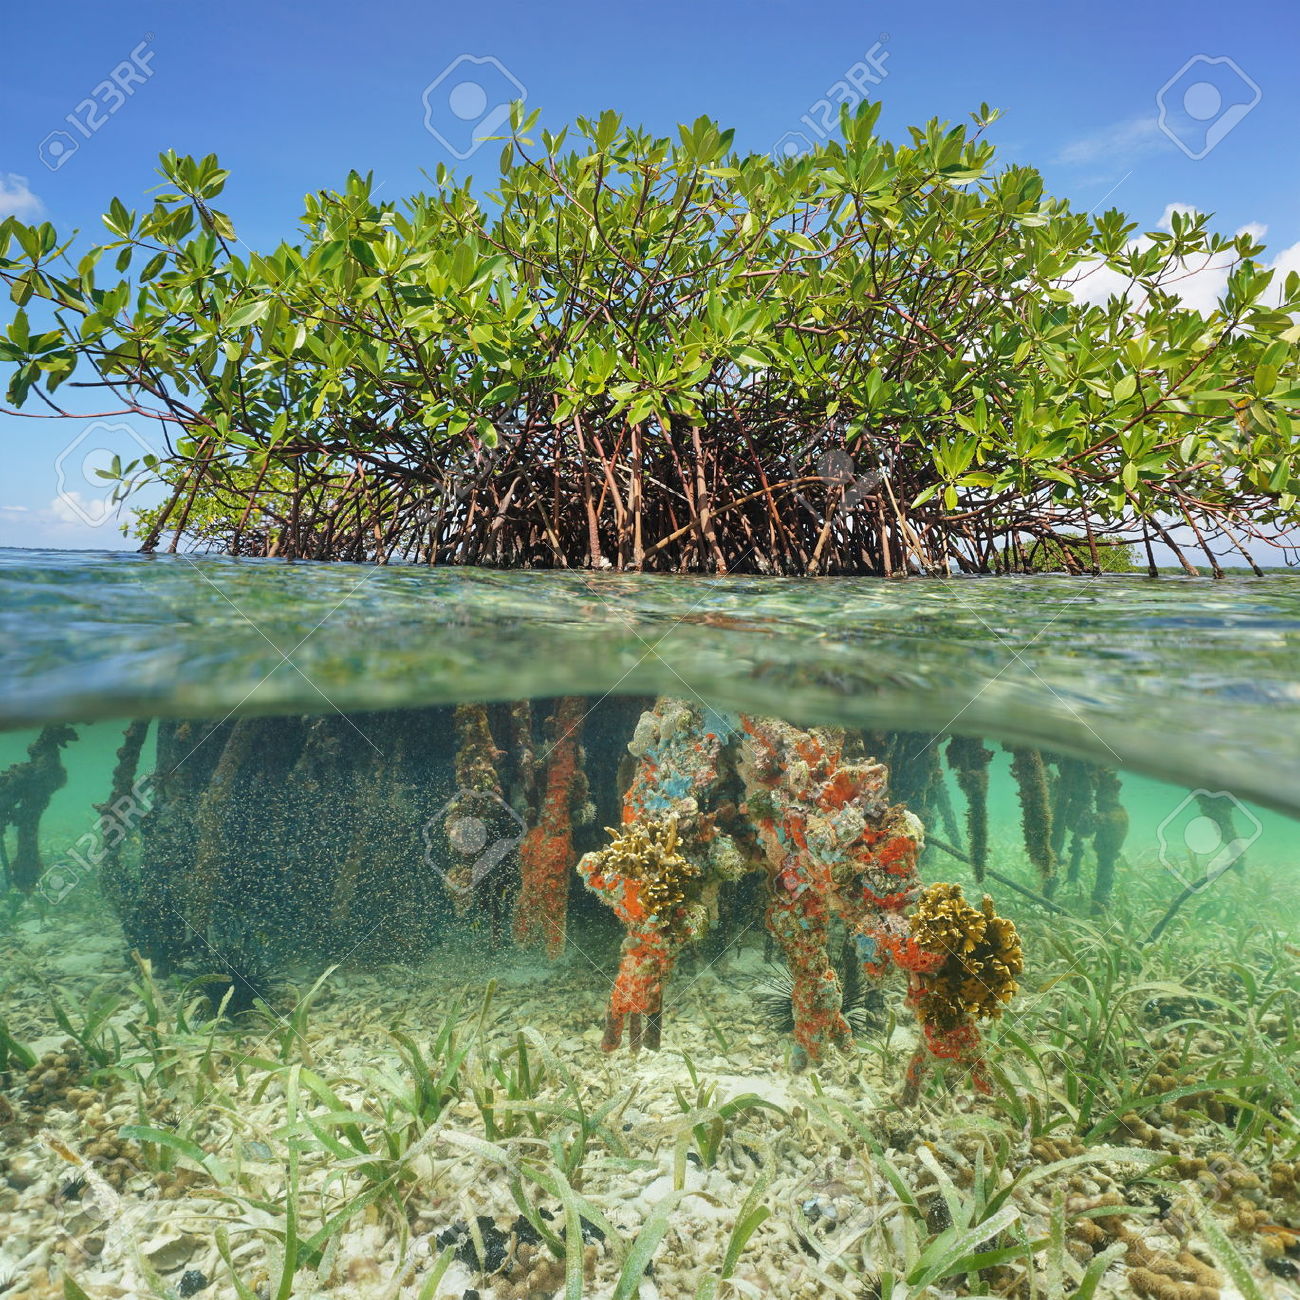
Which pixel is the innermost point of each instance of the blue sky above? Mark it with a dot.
(291, 96)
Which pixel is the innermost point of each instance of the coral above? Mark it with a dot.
(834, 847)
(53, 1079)
(546, 854)
(651, 888)
(662, 873)
(963, 966)
(981, 951)
(644, 855)
(681, 767)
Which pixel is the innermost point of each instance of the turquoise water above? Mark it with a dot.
(1149, 800)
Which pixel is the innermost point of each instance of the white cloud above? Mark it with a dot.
(1166, 221)
(1116, 145)
(17, 199)
(1198, 282)
(72, 507)
(1286, 261)
(62, 525)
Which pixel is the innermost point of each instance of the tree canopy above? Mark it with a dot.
(653, 353)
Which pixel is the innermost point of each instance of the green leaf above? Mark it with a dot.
(19, 331)
(750, 1217)
(643, 1248)
(436, 1273)
(1265, 378)
(205, 1160)
(573, 1260)
(153, 266)
(799, 240)
(953, 1250)
(218, 223)
(247, 312)
(1226, 1254)
(118, 219)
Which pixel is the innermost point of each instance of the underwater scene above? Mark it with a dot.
(491, 936)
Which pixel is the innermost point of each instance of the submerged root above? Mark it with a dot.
(546, 855)
(969, 759)
(25, 792)
(1030, 772)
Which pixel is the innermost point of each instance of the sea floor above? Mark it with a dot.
(456, 1131)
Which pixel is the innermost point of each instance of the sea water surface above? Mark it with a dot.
(1192, 681)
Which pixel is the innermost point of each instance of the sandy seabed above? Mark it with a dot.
(139, 1219)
